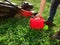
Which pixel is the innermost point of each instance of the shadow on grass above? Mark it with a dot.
(6, 24)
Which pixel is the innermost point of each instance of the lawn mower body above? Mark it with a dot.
(7, 10)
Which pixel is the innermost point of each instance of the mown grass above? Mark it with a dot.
(15, 31)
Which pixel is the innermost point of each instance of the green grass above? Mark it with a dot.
(17, 31)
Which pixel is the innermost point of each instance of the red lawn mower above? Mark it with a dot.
(8, 9)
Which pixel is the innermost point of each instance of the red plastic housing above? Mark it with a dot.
(36, 22)
(26, 13)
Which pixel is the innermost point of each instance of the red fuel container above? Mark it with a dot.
(36, 23)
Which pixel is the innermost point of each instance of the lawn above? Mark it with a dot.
(14, 31)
